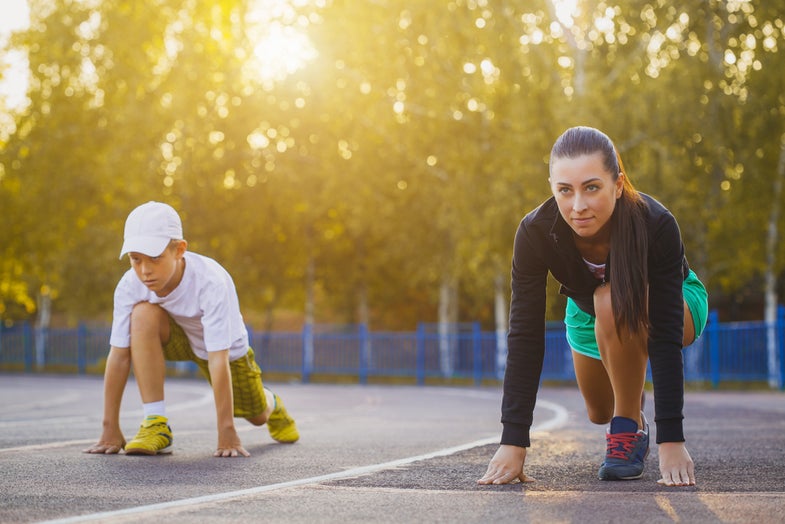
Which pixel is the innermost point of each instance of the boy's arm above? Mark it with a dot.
(229, 444)
(118, 366)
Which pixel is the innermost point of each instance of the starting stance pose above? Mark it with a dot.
(632, 299)
(176, 305)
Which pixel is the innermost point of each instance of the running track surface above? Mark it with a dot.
(373, 454)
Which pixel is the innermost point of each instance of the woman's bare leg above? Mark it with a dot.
(595, 387)
(689, 327)
(624, 359)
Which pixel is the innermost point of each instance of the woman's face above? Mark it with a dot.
(586, 194)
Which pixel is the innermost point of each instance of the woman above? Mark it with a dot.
(632, 297)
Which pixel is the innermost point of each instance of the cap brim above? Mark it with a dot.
(150, 246)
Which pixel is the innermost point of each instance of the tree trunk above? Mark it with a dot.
(310, 282)
(363, 309)
(364, 318)
(772, 240)
(448, 318)
(501, 297)
(42, 327)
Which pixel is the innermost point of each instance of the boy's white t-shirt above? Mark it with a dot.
(204, 304)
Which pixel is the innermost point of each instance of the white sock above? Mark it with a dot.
(275, 400)
(155, 408)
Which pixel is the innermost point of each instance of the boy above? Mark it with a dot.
(177, 305)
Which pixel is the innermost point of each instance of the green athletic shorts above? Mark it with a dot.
(247, 387)
(580, 325)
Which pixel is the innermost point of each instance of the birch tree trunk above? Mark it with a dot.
(448, 317)
(310, 282)
(772, 240)
(42, 327)
(364, 318)
(501, 297)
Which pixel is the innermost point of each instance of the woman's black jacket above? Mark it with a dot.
(544, 243)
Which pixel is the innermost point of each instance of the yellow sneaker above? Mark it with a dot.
(281, 426)
(154, 437)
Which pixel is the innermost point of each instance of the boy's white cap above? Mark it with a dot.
(150, 227)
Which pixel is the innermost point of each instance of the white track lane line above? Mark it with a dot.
(559, 419)
(206, 399)
(11, 409)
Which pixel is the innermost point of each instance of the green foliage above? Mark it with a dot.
(402, 154)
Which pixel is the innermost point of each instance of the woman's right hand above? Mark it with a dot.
(506, 466)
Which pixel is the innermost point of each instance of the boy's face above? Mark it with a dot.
(163, 273)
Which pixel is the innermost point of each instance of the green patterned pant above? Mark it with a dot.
(247, 387)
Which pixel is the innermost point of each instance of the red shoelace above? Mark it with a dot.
(620, 445)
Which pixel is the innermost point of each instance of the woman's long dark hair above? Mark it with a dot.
(629, 247)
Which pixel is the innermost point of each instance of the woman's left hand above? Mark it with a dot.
(676, 466)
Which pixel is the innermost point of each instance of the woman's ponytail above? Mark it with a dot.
(629, 274)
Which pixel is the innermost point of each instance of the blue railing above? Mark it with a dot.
(727, 352)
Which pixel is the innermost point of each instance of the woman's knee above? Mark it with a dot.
(595, 388)
(689, 327)
(599, 414)
(603, 309)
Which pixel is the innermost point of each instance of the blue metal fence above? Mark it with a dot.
(728, 352)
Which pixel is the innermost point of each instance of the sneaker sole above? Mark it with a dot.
(614, 477)
(139, 451)
(605, 476)
(286, 441)
(288, 437)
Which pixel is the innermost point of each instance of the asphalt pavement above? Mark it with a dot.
(374, 454)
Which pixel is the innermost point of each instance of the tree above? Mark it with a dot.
(382, 181)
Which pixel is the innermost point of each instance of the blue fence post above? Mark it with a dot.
(713, 327)
(27, 345)
(420, 371)
(81, 348)
(362, 332)
(781, 342)
(307, 352)
(477, 353)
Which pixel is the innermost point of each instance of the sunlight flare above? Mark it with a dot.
(566, 11)
(278, 35)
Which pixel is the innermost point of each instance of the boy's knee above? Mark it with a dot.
(145, 309)
(149, 314)
(147, 317)
(258, 420)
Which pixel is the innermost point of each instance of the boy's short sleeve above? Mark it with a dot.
(124, 302)
(216, 319)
